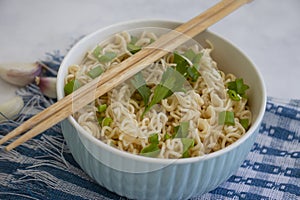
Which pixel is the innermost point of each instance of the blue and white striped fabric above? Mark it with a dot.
(43, 168)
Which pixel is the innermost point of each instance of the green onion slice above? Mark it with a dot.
(71, 86)
(97, 52)
(226, 118)
(171, 82)
(189, 54)
(193, 73)
(233, 95)
(181, 64)
(167, 136)
(106, 121)
(102, 108)
(187, 144)
(244, 123)
(152, 150)
(153, 139)
(132, 48)
(182, 130)
(238, 86)
(197, 59)
(95, 72)
(139, 83)
(133, 39)
(107, 57)
(151, 40)
(100, 119)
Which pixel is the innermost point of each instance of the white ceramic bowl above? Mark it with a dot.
(140, 177)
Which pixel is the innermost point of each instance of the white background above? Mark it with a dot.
(267, 31)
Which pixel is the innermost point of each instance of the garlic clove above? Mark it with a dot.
(47, 86)
(20, 74)
(11, 108)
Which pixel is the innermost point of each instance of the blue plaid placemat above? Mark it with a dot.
(43, 168)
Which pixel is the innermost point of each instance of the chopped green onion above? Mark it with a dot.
(183, 67)
(226, 118)
(139, 83)
(187, 144)
(71, 86)
(153, 139)
(186, 154)
(95, 72)
(102, 108)
(152, 150)
(238, 86)
(244, 123)
(106, 121)
(182, 130)
(171, 82)
(233, 95)
(193, 73)
(167, 136)
(192, 56)
(197, 59)
(107, 57)
(97, 52)
(133, 39)
(181, 64)
(151, 40)
(132, 48)
(176, 128)
(189, 54)
(100, 119)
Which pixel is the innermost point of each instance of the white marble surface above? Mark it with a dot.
(267, 31)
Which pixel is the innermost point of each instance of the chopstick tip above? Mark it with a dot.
(9, 147)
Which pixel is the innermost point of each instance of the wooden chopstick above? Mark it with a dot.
(89, 92)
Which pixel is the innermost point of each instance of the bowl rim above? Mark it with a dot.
(163, 161)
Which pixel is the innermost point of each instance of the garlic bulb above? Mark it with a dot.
(20, 74)
(11, 108)
(47, 86)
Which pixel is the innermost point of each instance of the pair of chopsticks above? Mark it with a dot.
(113, 77)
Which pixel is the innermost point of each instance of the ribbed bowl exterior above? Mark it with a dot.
(175, 181)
